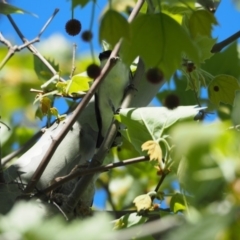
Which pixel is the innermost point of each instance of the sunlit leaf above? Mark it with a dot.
(160, 41)
(120, 5)
(54, 111)
(61, 86)
(177, 9)
(78, 84)
(9, 9)
(222, 89)
(113, 27)
(177, 203)
(143, 202)
(154, 150)
(205, 44)
(129, 220)
(200, 23)
(149, 122)
(45, 104)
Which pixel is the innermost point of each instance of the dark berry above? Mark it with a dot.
(73, 27)
(216, 88)
(172, 101)
(87, 36)
(154, 75)
(93, 70)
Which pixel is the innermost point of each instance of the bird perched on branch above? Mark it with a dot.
(110, 94)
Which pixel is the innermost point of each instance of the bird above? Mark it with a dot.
(110, 94)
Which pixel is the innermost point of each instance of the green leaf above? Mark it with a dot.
(206, 226)
(196, 160)
(121, 5)
(42, 70)
(45, 104)
(54, 112)
(177, 203)
(222, 89)
(160, 41)
(225, 62)
(113, 27)
(205, 45)
(78, 84)
(129, 220)
(200, 23)
(146, 123)
(9, 9)
(80, 3)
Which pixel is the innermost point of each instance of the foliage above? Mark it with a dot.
(189, 171)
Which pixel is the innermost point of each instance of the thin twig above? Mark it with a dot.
(48, 22)
(219, 46)
(31, 47)
(164, 174)
(77, 174)
(73, 60)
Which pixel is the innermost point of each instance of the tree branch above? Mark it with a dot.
(219, 46)
(28, 44)
(76, 174)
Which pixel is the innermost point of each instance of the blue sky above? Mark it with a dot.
(31, 26)
(227, 15)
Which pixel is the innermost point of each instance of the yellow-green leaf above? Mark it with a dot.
(61, 87)
(120, 5)
(45, 105)
(200, 23)
(113, 27)
(54, 112)
(78, 84)
(177, 203)
(143, 202)
(222, 89)
(154, 150)
(205, 45)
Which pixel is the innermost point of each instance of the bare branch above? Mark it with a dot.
(48, 22)
(76, 174)
(219, 46)
(73, 60)
(29, 44)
